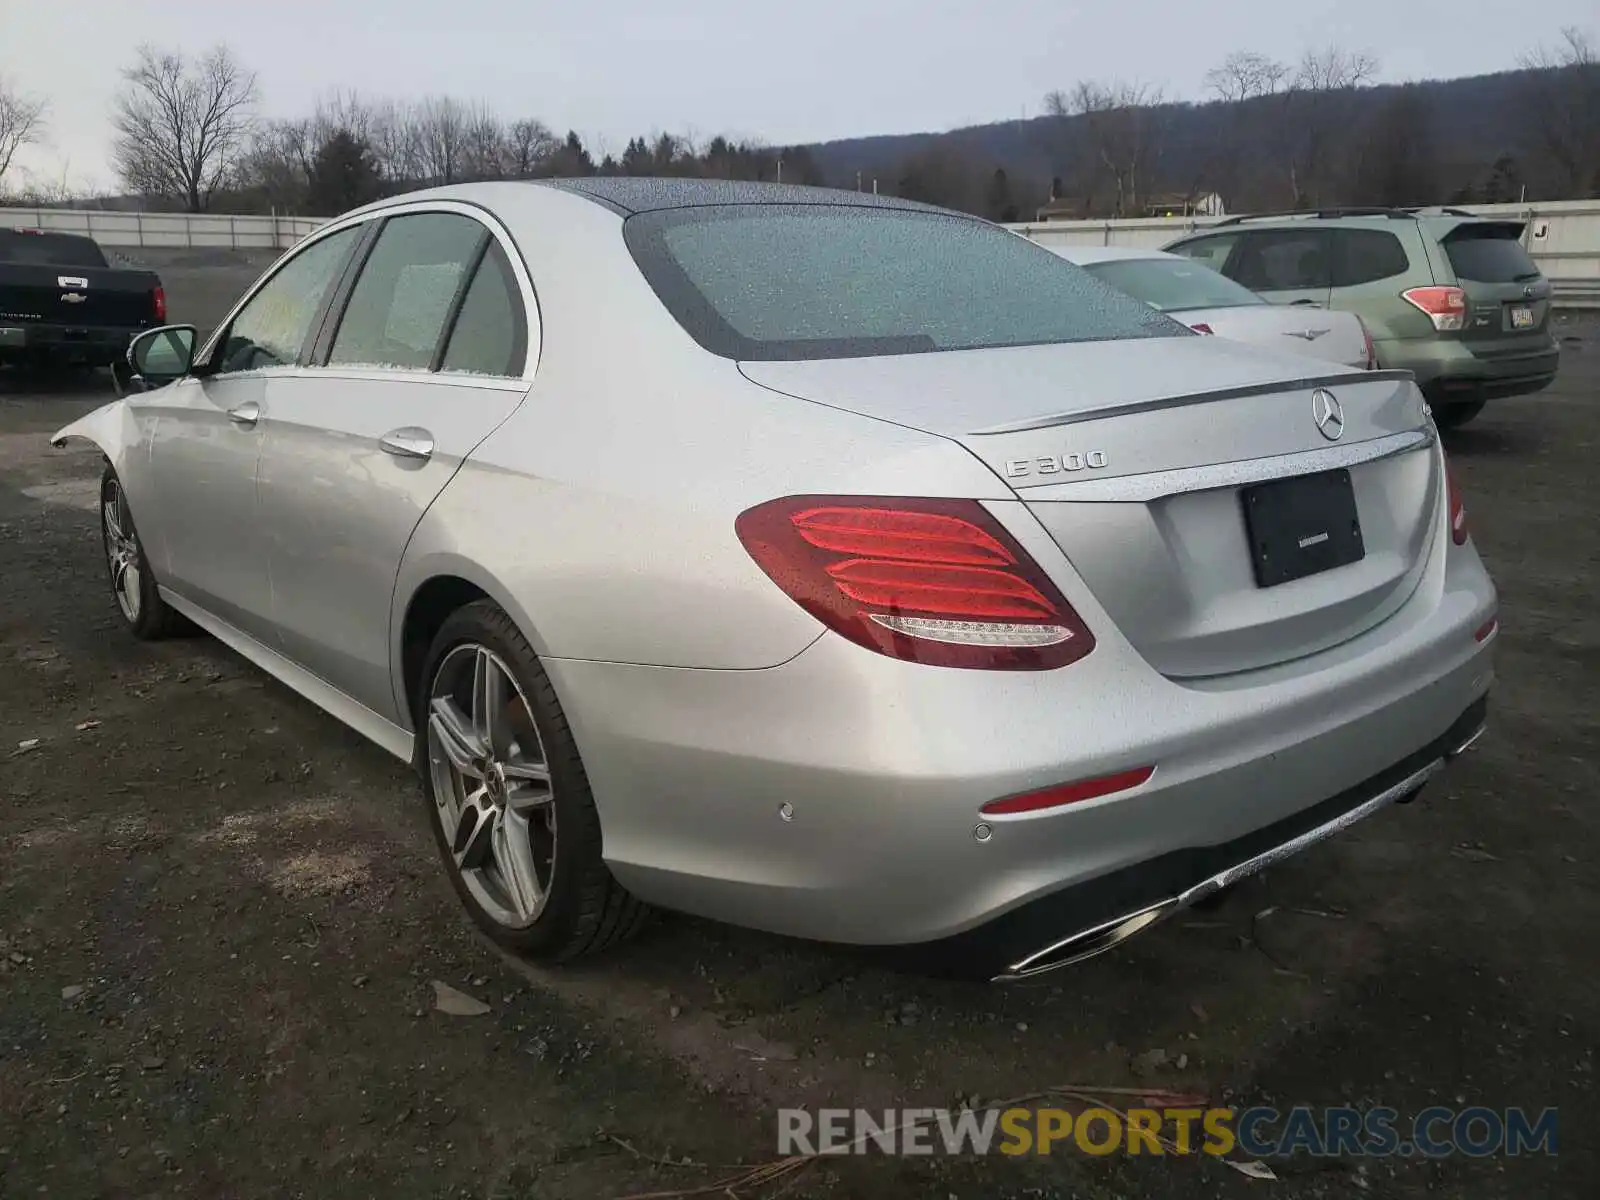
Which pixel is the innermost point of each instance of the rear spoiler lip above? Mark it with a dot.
(1183, 399)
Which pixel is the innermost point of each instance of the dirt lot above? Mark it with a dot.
(220, 920)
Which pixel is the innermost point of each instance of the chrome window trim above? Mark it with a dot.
(496, 229)
(491, 383)
(1155, 485)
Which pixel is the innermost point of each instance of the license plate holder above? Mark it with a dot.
(1302, 526)
(1521, 316)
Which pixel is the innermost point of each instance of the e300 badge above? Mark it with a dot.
(1055, 464)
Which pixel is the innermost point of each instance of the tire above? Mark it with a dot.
(133, 585)
(1454, 416)
(517, 829)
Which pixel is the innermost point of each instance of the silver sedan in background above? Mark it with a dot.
(809, 560)
(1207, 301)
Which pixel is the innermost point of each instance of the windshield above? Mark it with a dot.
(766, 282)
(49, 249)
(1173, 285)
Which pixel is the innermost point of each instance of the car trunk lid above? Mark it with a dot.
(1142, 478)
(1318, 333)
(77, 296)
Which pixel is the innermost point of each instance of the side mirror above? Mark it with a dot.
(158, 356)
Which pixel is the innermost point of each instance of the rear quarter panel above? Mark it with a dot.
(1389, 318)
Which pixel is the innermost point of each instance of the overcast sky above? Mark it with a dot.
(785, 72)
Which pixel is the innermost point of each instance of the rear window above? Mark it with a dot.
(49, 249)
(785, 282)
(1172, 285)
(1489, 254)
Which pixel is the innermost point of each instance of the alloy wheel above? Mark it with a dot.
(492, 790)
(122, 551)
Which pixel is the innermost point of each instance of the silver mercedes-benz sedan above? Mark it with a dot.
(808, 560)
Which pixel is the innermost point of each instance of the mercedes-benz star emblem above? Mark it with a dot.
(1328, 413)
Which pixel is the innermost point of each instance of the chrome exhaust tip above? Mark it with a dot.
(1087, 943)
(1466, 743)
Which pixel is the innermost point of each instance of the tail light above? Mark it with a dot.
(1446, 306)
(1458, 509)
(1370, 349)
(1202, 327)
(158, 302)
(929, 581)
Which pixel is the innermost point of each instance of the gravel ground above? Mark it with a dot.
(221, 919)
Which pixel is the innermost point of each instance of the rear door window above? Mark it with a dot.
(408, 288)
(1366, 256)
(1282, 260)
(1489, 254)
(490, 334)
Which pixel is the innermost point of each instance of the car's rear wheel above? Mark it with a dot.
(508, 797)
(1453, 416)
(144, 612)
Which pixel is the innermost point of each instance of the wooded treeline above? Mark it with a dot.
(1271, 135)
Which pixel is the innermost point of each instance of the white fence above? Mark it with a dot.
(1562, 236)
(166, 230)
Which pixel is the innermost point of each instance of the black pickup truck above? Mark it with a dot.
(61, 303)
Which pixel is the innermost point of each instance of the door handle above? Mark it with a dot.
(407, 442)
(246, 415)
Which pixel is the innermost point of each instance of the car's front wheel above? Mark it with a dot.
(145, 613)
(508, 797)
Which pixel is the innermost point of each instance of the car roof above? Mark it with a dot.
(1083, 255)
(1438, 219)
(627, 195)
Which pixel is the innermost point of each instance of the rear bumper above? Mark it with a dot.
(837, 797)
(1085, 920)
(80, 343)
(1448, 371)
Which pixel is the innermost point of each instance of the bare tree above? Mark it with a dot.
(1333, 69)
(1245, 75)
(487, 152)
(393, 143)
(1562, 101)
(277, 165)
(1248, 85)
(439, 132)
(1315, 134)
(1123, 126)
(530, 146)
(182, 127)
(1073, 162)
(21, 123)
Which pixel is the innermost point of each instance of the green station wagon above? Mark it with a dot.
(1451, 297)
